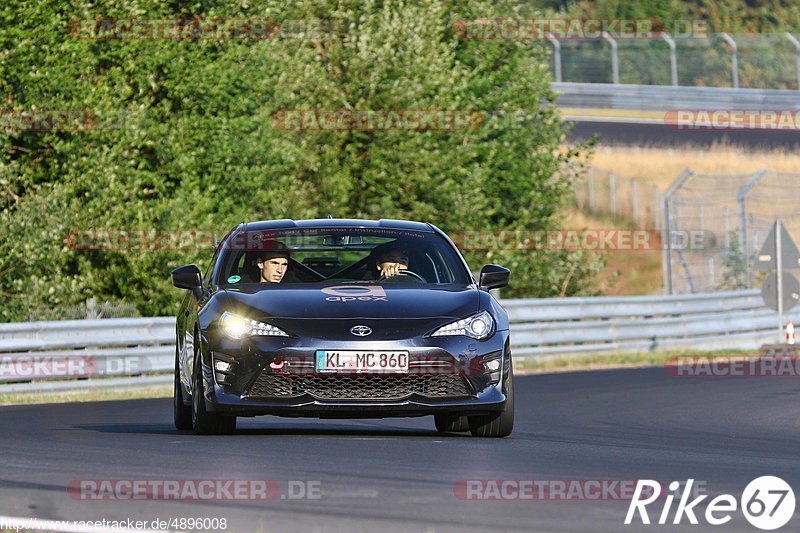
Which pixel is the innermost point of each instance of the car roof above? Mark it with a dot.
(338, 223)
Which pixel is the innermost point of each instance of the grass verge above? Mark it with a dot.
(615, 361)
(89, 395)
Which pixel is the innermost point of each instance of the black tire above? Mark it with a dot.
(451, 423)
(204, 422)
(496, 425)
(182, 412)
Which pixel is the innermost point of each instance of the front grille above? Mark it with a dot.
(358, 387)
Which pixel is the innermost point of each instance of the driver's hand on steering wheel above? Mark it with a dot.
(391, 269)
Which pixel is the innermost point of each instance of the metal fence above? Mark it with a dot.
(91, 309)
(732, 215)
(540, 328)
(766, 61)
(603, 192)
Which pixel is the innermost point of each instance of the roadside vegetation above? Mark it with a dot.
(183, 136)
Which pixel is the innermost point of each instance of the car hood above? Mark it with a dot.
(352, 301)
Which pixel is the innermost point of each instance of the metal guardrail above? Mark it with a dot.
(86, 349)
(540, 328)
(665, 97)
(544, 328)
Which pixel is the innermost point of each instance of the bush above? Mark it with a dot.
(183, 137)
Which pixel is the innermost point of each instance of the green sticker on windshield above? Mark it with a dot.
(234, 279)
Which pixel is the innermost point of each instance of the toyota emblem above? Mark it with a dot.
(361, 331)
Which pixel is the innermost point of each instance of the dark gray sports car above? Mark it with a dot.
(346, 319)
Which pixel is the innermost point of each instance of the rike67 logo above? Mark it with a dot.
(767, 503)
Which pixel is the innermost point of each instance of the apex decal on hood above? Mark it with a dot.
(352, 293)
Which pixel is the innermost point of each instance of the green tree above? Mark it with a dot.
(734, 266)
(185, 138)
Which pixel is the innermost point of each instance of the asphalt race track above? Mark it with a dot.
(656, 134)
(399, 474)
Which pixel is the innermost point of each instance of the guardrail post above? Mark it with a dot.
(556, 55)
(634, 201)
(614, 57)
(591, 189)
(673, 58)
(666, 231)
(741, 198)
(734, 58)
(796, 43)
(91, 309)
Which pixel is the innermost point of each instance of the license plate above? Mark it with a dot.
(377, 362)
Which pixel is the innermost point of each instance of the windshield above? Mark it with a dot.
(321, 255)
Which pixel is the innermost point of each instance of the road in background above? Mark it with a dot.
(652, 132)
(399, 474)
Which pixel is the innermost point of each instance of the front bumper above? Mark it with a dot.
(276, 376)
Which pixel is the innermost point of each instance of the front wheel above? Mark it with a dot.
(181, 411)
(447, 423)
(498, 424)
(205, 422)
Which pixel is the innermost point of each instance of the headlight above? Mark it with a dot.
(477, 326)
(236, 327)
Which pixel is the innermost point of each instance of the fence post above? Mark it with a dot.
(673, 58)
(556, 55)
(711, 273)
(666, 231)
(612, 194)
(591, 189)
(634, 202)
(734, 58)
(796, 43)
(614, 57)
(741, 198)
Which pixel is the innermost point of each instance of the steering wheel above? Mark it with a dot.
(404, 272)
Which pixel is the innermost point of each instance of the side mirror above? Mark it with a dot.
(188, 277)
(493, 277)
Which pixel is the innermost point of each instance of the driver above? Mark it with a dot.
(273, 261)
(390, 259)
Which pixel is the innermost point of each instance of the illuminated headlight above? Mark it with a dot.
(236, 327)
(477, 326)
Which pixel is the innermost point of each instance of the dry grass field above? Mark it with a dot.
(660, 166)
